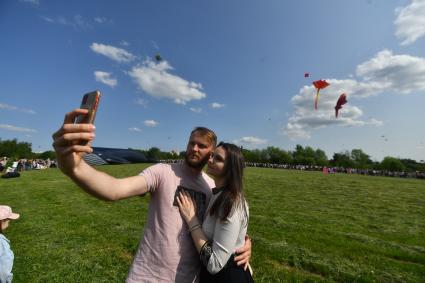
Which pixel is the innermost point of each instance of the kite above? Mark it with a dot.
(158, 58)
(320, 84)
(306, 75)
(341, 101)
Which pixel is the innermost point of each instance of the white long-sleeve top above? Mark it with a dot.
(226, 235)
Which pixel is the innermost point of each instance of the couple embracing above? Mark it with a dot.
(196, 228)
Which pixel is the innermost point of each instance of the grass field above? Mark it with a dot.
(306, 227)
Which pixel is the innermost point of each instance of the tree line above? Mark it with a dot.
(355, 158)
(22, 150)
(308, 156)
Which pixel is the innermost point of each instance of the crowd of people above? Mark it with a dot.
(331, 170)
(327, 170)
(25, 164)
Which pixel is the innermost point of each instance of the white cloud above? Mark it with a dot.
(250, 141)
(35, 2)
(16, 129)
(76, 21)
(401, 73)
(156, 80)
(196, 109)
(217, 105)
(124, 43)
(142, 102)
(47, 19)
(383, 74)
(150, 123)
(134, 129)
(117, 54)
(14, 108)
(100, 20)
(105, 77)
(410, 22)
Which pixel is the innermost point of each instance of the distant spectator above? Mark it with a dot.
(6, 254)
(19, 166)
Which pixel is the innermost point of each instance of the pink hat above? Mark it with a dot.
(6, 213)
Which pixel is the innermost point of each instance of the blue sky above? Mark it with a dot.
(236, 67)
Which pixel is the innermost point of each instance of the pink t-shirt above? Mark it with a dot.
(166, 252)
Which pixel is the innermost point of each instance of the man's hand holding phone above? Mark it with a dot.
(74, 138)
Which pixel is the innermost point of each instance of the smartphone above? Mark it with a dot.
(91, 102)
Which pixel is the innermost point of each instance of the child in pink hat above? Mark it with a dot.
(6, 254)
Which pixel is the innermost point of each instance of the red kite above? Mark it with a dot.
(341, 101)
(306, 75)
(319, 85)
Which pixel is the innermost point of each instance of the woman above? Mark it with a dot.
(226, 220)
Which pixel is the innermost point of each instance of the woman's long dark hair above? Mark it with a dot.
(232, 194)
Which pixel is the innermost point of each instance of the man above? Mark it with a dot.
(166, 252)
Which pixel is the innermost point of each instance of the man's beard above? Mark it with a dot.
(198, 164)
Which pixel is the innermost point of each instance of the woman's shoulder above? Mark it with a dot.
(239, 210)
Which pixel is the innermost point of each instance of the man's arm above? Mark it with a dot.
(70, 152)
(106, 187)
(244, 253)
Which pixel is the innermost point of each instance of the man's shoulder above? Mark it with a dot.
(158, 167)
(208, 179)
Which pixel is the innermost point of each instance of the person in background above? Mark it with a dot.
(6, 254)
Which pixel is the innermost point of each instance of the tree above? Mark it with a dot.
(411, 165)
(47, 154)
(298, 154)
(248, 155)
(320, 158)
(392, 164)
(154, 153)
(304, 156)
(361, 159)
(15, 149)
(343, 159)
(182, 154)
(309, 156)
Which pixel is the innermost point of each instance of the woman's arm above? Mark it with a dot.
(215, 253)
(188, 212)
(226, 234)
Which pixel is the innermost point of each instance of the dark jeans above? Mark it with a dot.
(230, 273)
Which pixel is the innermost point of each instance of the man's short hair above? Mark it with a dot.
(207, 133)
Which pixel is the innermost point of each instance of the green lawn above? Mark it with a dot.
(306, 227)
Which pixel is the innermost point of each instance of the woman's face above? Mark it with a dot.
(217, 162)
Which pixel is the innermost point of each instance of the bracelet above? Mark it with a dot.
(194, 227)
(206, 252)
